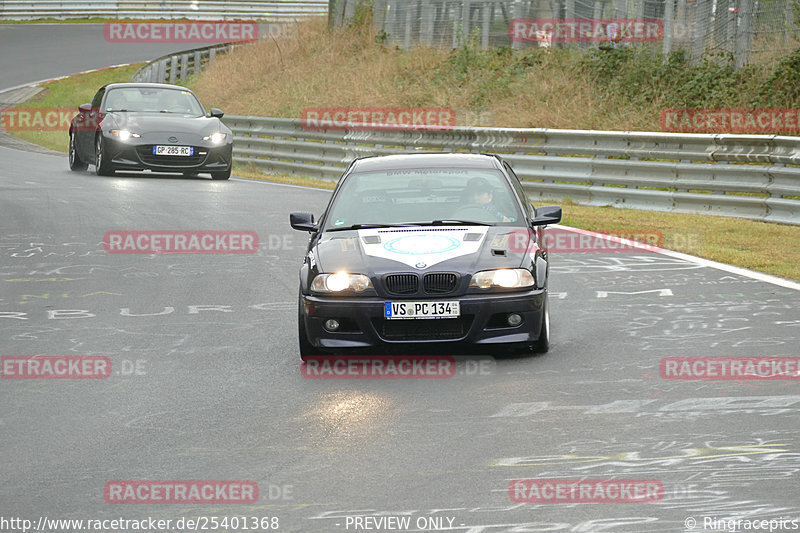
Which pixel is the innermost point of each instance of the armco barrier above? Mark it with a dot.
(176, 67)
(748, 176)
(263, 10)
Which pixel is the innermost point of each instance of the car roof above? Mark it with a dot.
(444, 159)
(145, 85)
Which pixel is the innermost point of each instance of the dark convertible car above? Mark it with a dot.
(426, 248)
(149, 126)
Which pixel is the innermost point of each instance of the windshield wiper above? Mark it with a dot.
(116, 111)
(454, 222)
(370, 226)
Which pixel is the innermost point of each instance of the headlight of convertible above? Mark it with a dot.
(340, 281)
(506, 278)
(124, 135)
(216, 138)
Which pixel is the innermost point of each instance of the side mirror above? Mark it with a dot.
(85, 108)
(550, 214)
(302, 221)
(216, 113)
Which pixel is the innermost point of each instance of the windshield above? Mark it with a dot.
(152, 100)
(415, 196)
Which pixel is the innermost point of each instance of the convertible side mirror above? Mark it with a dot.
(85, 108)
(550, 214)
(302, 221)
(216, 113)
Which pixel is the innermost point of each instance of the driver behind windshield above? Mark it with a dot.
(481, 193)
(172, 101)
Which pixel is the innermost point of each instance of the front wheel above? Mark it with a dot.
(101, 166)
(76, 164)
(221, 175)
(542, 344)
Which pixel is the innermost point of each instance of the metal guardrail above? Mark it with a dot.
(747, 176)
(263, 10)
(176, 67)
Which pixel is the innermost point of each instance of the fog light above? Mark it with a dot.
(514, 319)
(331, 324)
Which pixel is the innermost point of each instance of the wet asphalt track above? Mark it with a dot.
(206, 381)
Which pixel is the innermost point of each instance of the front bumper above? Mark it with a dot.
(482, 321)
(139, 156)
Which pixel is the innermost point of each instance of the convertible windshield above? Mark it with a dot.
(423, 196)
(152, 100)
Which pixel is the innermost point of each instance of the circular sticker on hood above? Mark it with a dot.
(422, 244)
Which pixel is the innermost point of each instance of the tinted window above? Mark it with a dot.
(424, 195)
(98, 97)
(152, 100)
(519, 188)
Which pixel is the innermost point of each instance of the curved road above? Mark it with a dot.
(206, 382)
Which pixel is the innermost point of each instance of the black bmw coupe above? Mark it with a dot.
(149, 126)
(426, 248)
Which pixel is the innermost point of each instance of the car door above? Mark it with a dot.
(88, 123)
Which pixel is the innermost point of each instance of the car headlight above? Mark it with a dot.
(506, 278)
(124, 135)
(341, 281)
(216, 138)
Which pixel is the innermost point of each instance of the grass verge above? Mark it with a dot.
(760, 246)
(764, 247)
(63, 95)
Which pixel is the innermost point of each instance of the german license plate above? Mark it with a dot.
(173, 150)
(401, 310)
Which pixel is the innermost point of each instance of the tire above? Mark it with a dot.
(306, 348)
(101, 167)
(76, 164)
(221, 175)
(542, 344)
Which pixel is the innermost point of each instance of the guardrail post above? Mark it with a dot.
(173, 68)
(162, 71)
(184, 66)
(197, 62)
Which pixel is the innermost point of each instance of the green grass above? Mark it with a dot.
(69, 93)
(760, 246)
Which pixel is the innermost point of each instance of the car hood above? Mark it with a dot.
(463, 249)
(166, 123)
